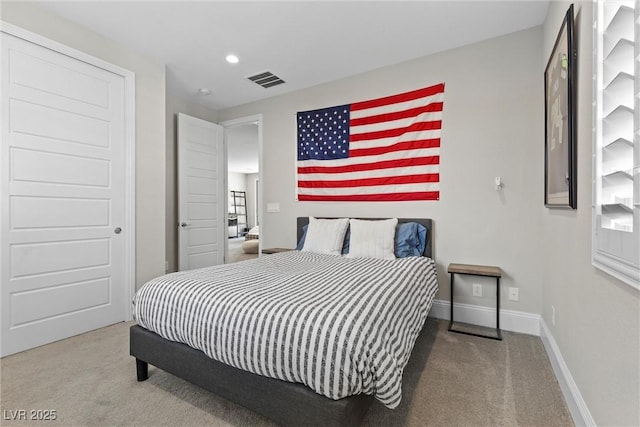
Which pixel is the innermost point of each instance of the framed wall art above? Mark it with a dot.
(560, 180)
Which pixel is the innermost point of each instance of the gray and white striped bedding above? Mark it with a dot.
(341, 326)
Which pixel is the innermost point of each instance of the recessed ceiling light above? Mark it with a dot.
(232, 59)
(204, 91)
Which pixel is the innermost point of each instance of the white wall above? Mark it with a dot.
(251, 179)
(150, 119)
(236, 181)
(491, 126)
(597, 317)
(174, 106)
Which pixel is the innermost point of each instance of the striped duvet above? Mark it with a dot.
(340, 326)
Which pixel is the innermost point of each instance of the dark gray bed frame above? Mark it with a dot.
(283, 402)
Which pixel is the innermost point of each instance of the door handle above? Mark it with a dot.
(183, 224)
(117, 230)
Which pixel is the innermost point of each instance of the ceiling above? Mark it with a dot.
(305, 43)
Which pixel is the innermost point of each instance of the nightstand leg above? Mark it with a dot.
(498, 308)
(451, 307)
(497, 303)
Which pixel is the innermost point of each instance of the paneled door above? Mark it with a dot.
(201, 203)
(62, 208)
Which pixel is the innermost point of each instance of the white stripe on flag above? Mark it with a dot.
(395, 124)
(395, 155)
(376, 173)
(398, 106)
(405, 137)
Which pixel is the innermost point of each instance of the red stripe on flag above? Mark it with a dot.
(368, 182)
(390, 133)
(387, 117)
(400, 146)
(402, 97)
(387, 164)
(392, 197)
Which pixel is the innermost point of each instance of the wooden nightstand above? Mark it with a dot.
(478, 270)
(276, 250)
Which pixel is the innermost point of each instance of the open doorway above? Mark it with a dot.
(243, 148)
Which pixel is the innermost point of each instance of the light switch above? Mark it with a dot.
(273, 207)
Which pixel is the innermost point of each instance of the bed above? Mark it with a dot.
(324, 378)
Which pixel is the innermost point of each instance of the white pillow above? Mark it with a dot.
(372, 239)
(325, 236)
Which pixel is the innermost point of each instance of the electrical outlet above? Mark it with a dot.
(514, 294)
(477, 290)
(553, 315)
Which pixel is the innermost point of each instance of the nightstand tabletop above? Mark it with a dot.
(477, 270)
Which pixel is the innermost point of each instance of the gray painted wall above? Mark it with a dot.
(597, 317)
(491, 127)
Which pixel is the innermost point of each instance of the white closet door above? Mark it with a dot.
(201, 228)
(62, 233)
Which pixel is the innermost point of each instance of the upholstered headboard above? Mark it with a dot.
(427, 223)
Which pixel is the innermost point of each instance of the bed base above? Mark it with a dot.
(286, 403)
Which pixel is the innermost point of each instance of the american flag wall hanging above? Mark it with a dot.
(385, 149)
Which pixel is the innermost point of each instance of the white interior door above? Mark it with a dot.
(62, 208)
(201, 204)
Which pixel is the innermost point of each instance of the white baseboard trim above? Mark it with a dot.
(572, 396)
(510, 320)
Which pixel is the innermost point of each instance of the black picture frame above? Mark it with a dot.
(560, 168)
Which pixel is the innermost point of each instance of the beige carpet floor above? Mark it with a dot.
(453, 380)
(236, 253)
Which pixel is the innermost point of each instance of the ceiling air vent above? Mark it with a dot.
(266, 79)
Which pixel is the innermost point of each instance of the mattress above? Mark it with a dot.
(341, 326)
